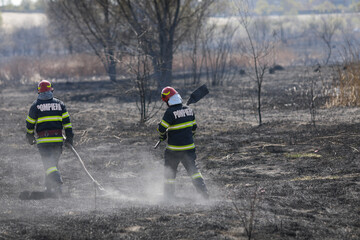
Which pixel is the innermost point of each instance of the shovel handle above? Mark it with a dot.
(157, 144)
(83, 165)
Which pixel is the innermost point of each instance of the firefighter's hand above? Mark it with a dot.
(69, 141)
(30, 138)
(162, 137)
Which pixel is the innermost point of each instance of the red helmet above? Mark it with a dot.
(44, 86)
(167, 93)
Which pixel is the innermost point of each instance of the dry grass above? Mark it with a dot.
(347, 90)
(27, 69)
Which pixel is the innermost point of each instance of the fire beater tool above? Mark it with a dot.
(96, 183)
(37, 195)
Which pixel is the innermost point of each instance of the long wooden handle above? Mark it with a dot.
(83, 165)
(157, 144)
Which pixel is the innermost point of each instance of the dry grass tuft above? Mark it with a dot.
(27, 69)
(347, 90)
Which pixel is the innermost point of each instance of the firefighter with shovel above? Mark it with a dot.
(178, 126)
(48, 117)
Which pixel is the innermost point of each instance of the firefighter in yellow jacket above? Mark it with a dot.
(47, 118)
(178, 126)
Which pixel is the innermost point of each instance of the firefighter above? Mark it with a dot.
(48, 117)
(178, 126)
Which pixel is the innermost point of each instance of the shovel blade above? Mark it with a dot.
(198, 94)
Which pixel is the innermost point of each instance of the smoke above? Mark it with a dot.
(132, 175)
(141, 181)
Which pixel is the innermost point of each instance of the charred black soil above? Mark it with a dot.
(290, 178)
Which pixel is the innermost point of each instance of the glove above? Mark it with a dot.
(69, 141)
(163, 137)
(30, 138)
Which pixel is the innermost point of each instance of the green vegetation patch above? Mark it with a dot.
(303, 155)
(310, 178)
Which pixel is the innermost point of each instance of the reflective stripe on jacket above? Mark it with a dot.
(48, 115)
(180, 125)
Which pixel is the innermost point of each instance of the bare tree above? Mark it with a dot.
(161, 26)
(65, 35)
(97, 23)
(193, 41)
(217, 49)
(325, 30)
(249, 208)
(259, 47)
(140, 70)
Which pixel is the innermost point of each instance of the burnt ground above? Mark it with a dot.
(286, 179)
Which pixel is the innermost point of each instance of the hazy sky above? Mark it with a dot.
(15, 2)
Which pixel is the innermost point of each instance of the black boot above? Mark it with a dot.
(169, 192)
(201, 188)
(53, 183)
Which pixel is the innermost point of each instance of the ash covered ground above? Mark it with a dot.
(286, 179)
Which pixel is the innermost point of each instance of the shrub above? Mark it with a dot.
(72, 66)
(16, 71)
(347, 89)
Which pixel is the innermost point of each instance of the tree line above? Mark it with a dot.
(144, 41)
(24, 6)
(115, 29)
